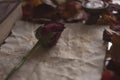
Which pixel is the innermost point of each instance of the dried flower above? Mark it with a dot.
(107, 0)
(115, 27)
(107, 18)
(44, 11)
(107, 75)
(70, 9)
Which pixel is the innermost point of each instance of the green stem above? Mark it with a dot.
(18, 66)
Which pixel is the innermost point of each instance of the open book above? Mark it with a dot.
(10, 11)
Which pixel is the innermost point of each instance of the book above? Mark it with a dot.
(10, 11)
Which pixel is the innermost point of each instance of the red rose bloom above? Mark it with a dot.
(49, 33)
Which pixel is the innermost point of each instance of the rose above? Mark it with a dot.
(49, 33)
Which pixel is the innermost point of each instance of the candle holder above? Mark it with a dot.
(94, 12)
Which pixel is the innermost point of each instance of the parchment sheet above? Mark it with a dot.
(78, 55)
